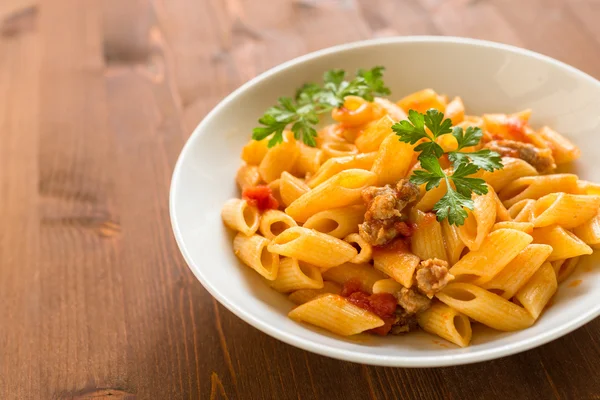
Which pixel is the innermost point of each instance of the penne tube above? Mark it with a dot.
(397, 262)
(428, 198)
(454, 244)
(278, 159)
(514, 168)
(309, 160)
(313, 247)
(336, 165)
(526, 227)
(536, 293)
(564, 243)
(447, 323)
(338, 149)
(364, 248)
(338, 222)
(273, 222)
(522, 211)
(518, 271)
(422, 101)
(427, 240)
(496, 251)
(290, 188)
(355, 111)
(566, 210)
(563, 150)
(247, 176)
(304, 295)
(502, 213)
(253, 251)
(387, 286)
(589, 231)
(585, 187)
(336, 314)
(393, 160)
(340, 190)
(534, 187)
(364, 273)
(479, 221)
(295, 275)
(254, 152)
(564, 268)
(485, 307)
(274, 186)
(238, 215)
(374, 134)
(392, 109)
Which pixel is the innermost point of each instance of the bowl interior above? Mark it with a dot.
(489, 78)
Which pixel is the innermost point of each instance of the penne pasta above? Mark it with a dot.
(479, 221)
(397, 262)
(304, 295)
(253, 251)
(308, 161)
(563, 150)
(538, 290)
(273, 222)
(534, 187)
(290, 188)
(522, 211)
(496, 251)
(391, 109)
(485, 307)
(240, 216)
(387, 286)
(589, 231)
(422, 101)
(336, 165)
(454, 244)
(295, 275)
(427, 240)
(339, 222)
(278, 159)
(564, 243)
(313, 247)
(514, 168)
(455, 110)
(336, 314)
(526, 227)
(339, 149)
(566, 210)
(564, 268)
(365, 250)
(254, 152)
(519, 270)
(247, 176)
(364, 273)
(340, 190)
(393, 161)
(374, 134)
(447, 323)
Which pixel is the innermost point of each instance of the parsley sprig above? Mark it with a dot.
(460, 187)
(311, 100)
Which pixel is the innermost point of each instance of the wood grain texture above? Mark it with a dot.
(96, 99)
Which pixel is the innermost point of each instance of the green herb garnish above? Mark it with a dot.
(458, 197)
(311, 100)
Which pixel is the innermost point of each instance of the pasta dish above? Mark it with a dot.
(408, 215)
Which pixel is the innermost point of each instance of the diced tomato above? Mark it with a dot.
(381, 304)
(260, 196)
(405, 229)
(515, 127)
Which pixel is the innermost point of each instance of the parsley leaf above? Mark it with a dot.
(426, 128)
(302, 112)
(484, 159)
(451, 206)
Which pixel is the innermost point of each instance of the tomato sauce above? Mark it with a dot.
(381, 304)
(260, 196)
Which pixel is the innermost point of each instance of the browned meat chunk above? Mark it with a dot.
(540, 159)
(404, 322)
(412, 302)
(432, 276)
(384, 219)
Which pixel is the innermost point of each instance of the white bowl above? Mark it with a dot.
(490, 77)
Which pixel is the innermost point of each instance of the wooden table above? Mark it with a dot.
(97, 98)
